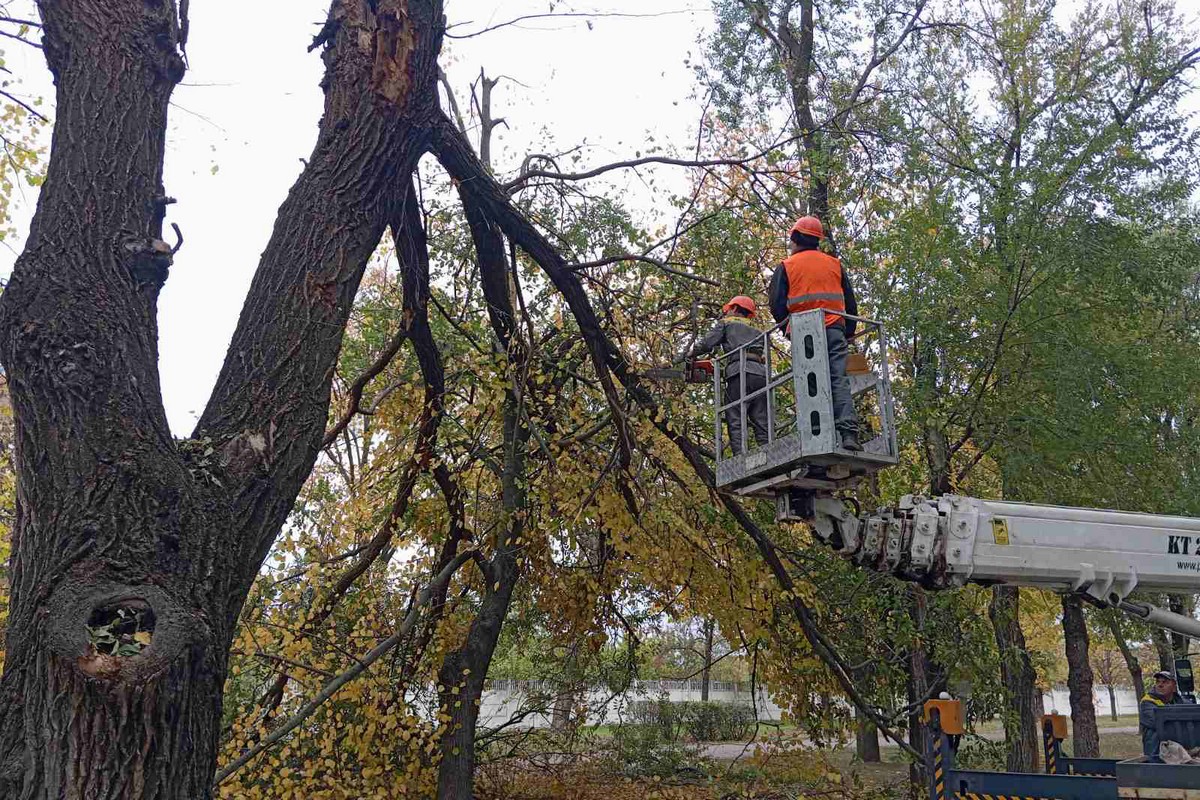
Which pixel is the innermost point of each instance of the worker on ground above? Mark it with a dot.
(808, 279)
(730, 333)
(1163, 694)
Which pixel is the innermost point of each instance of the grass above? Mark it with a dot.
(1102, 722)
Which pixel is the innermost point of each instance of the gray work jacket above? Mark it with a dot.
(726, 336)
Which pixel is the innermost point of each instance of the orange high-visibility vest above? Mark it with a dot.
(815, 281)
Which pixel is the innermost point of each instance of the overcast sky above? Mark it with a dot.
(247, 114)
(248, 108)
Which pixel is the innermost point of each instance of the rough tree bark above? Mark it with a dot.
(113, 513)
(1079, 680)
(1019, 679)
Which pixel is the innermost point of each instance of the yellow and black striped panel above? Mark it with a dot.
(939, 775)
(982, 796)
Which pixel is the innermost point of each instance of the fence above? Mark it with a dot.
(506, 699)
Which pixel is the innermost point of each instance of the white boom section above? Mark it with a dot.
(950, 540)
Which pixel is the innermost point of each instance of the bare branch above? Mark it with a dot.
(20, 39)
(517, 182)
(23, 104)
(380, 363)
(452, 100)
(663, 265)
(565, 15)
(878, 58)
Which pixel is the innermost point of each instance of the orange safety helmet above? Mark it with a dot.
(741, 301)
(810, 226)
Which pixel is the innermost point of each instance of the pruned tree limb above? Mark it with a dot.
(475, 182)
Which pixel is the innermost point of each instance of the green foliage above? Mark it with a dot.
(1032, 258)
(649, 750)
(976, 752)
(719, 722)
(123, 632)
(696, 720)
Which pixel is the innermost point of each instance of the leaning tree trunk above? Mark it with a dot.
(463, 670)
(1079, 680)
(1164, 647)
(1184, 605)
(1019, 679)
(922, 677)
(1131, 660)
(118, 523)
(710, 625)
(866, 734)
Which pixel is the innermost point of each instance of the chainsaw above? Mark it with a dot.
(691, 372)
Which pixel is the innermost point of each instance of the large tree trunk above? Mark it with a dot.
(1019, 679)
(1080, 680)
(113, 514)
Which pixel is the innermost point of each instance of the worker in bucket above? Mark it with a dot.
(731, 332)
(1164, 693)
(809, 279)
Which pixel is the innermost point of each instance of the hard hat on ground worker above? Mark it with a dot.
(742, 302)
(809, 226)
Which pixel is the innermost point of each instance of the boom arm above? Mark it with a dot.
(950, 540)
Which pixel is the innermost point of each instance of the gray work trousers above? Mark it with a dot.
(756, 409)
(844, 419)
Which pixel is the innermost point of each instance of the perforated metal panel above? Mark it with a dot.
(1179, 723)
(803, 447)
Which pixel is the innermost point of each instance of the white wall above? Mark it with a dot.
(504, 699)
(1059, 700)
